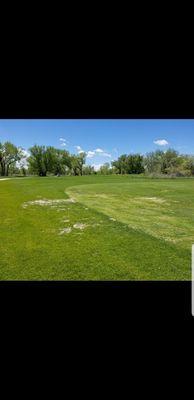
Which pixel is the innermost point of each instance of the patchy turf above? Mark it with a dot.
(96, 228)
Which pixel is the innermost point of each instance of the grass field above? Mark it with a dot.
(96, 228)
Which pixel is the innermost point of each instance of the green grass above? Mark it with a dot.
(135, 228)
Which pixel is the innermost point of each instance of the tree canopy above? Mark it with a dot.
(9, 154)
(129, 164)
(47, 159)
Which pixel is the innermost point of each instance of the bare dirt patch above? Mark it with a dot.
(65, 230)
(102, 196)
(48, 202)
(97, 224)
(80, 226)
(154, 199)
(149, 200)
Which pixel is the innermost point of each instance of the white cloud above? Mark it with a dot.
(93, 153)
(79, 149)
(101, 152)
(161, 142)
(106, 154)
(90, 154)
(63, 142)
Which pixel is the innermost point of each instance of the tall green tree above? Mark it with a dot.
(77, 163)
(129, 164)
(188, 165)
(134, 164)
(42, 159)
(74, 165)
(120, 164)
(81, 161)
(153, 161)
(9, 155)
(58, 161)
(88, 170)
(65, 160)
(105, 169)
(36, 160)
(170, 161)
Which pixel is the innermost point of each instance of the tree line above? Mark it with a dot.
(44, 160)
(158, 162)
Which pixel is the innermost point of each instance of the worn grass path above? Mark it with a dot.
(119, 228)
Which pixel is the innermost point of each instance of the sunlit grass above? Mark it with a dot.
(120, 228)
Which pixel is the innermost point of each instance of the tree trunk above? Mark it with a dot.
(2, 169)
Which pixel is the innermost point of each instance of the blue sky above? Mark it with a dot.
(103, 140)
